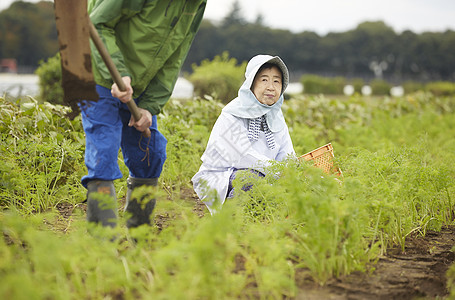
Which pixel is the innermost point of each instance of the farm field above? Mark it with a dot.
(384, 230)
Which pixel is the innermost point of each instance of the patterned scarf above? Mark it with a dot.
(254, 125)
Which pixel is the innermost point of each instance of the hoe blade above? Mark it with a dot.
(72, 23)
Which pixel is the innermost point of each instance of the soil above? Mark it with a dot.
(417, 273)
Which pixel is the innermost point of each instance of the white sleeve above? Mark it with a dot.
(229, 146)
(286, 147)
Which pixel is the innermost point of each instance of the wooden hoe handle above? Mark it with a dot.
(115, 74)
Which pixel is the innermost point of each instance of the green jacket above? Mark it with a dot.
(148, 40)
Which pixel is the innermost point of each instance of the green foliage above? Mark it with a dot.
(28, 32)
(220, 78)
(296, 221)
(187, 126)
(50, 80)
(412, 86)
(42, 153)
(357, 83)
(349, 52)
(403, 191)
(57, 266)
(323, 116)
(441, 88)
(380, 87)
(313, 84)
(304, 207)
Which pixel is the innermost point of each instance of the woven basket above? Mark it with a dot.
(323, 159)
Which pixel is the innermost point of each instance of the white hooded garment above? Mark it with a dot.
(229, 148)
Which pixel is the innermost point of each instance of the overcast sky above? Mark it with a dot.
(323, 16)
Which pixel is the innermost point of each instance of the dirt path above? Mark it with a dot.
(418, 273)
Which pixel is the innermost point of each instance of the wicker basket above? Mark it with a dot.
(323, 159)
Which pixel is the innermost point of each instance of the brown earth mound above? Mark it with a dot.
(417, 273)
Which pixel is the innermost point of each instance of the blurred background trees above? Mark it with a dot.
(372, 50)
(28, 33)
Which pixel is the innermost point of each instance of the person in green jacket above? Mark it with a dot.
(148, 41)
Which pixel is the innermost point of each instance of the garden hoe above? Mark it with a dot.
(74, 28)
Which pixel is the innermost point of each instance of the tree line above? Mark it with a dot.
(371, 50)
(28, 33)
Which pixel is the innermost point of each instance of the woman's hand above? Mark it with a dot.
(123, 96)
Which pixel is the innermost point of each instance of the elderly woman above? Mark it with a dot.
(249, 133)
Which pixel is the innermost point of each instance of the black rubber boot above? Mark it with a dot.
(139, 212)
(101, 203)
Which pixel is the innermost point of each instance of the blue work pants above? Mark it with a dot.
(106, 129)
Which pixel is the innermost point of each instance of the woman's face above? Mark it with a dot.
(267, 85)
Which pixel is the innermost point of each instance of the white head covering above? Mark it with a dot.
(246, 104)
